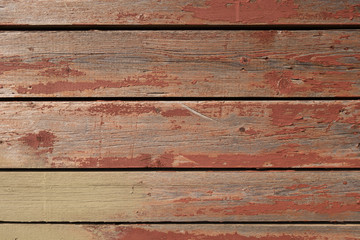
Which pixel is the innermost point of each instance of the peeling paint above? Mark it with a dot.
(244, 11)
(42, 139)
(141, 234)
(63, 72)
(176, 113)
(66, 86)
(16, 63)
(351, 12)
(265, 37)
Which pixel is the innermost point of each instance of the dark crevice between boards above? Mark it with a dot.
(185, 27)
(93, 99)
(188, 222)
(175, 169)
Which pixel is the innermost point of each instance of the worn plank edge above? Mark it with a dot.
(156, 231)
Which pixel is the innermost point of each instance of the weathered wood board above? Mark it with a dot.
(180, 63)
(178, 232)
(116, 134)
(180, 196)
(179, 12)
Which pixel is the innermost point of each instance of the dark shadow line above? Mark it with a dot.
(209, 169)
(188, 222)
(92, 99)
(178, 27)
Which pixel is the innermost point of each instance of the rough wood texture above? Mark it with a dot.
(179, 196)
(174, 12)
(180, 63)
(117, 134)
(179, 232)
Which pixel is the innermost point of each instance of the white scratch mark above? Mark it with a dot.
(197, 113)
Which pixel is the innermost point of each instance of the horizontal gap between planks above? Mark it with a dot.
(192, 222)
(177, 27)
(174, 169)
(92, 99)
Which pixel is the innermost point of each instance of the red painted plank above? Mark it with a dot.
(215, 134)
(176, 12)
(180, 64)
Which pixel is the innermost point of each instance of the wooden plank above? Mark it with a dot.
(177, 12)
(180, 63)
(115, 134)
(179, 232)
(180, 196)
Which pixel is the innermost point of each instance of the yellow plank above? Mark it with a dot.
(179, 196)
(177, 232)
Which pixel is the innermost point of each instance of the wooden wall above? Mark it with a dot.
(196, 120)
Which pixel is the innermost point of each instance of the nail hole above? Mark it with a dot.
(242, 129)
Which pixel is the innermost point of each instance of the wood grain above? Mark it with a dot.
(180, 63)
(178, 12)
(179, 232)
(115, 134)
(179, 196)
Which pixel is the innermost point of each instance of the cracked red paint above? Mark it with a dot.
(280, 205)
(141, 234)
(265, 37)
(16, 63)
(176, 113)
(65, 86)
(43, 139)
(63, 72)
(284, 156)
(350, 13)
(284, 114)
(244, 11)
